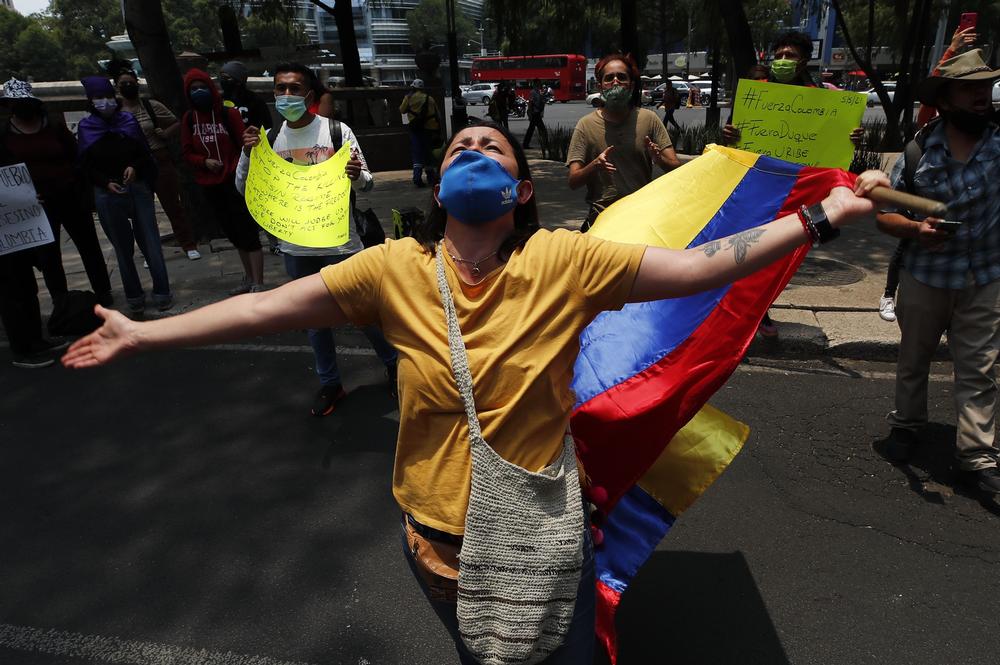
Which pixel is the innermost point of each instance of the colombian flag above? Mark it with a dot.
(644, 374)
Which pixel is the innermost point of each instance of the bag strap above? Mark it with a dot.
(148, 105)
(456, 347)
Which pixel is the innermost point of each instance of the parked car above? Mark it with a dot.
(682, 88)
(873, 100)
(480, 93)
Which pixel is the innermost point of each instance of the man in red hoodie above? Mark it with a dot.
(211, 142)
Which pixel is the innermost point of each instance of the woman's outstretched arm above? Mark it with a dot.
(669, 273)
(303, 303)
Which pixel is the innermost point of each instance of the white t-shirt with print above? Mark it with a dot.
(307, 146)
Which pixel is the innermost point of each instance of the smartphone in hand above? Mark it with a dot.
(948, 225)
(968, 20)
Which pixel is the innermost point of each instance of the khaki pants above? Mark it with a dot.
(972, 318)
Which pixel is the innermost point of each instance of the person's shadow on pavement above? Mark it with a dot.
(931, 471)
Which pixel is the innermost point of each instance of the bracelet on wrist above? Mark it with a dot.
(818, 223)
(811, 234)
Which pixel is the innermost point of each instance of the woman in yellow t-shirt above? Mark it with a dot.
(522, 296)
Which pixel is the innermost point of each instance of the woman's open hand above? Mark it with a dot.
(115, 339)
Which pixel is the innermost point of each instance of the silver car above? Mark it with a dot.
(480, 93)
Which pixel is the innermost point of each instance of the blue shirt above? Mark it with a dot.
(972, 192)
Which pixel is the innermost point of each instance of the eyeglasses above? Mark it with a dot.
(615, 76)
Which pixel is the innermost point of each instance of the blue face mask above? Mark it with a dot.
(201, 99)
(476, 189)
(291, 107)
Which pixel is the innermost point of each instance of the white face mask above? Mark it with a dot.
(105, 105)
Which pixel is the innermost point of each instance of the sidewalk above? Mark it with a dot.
(830, 308)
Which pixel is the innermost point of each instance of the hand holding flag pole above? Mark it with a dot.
(917, 204)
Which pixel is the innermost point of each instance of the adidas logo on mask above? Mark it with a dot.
(507, 196)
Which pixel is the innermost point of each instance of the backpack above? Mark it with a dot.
(366, 223)
(913, 151)
(74, 315)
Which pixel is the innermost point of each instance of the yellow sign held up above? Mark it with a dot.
(305, 205)
(810, 126)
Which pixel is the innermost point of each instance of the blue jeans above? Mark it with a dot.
(420, 151)
(576, 649)
(128, 219)
(322, 341)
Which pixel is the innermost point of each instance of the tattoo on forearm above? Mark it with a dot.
(710, 248)
(741, 242)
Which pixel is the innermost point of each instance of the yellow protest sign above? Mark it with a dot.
(810, 126)
(304, 205)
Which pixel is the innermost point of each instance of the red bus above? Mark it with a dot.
(564, 74)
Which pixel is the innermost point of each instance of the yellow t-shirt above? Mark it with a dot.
(520, 326)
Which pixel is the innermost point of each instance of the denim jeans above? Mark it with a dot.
(128, 219)
(577, 648)
(322, 341)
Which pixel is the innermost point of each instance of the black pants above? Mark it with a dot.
(668, 117)
(892, 274)
(535, 120)
(19, 310)
(69, 210)
(231, 212)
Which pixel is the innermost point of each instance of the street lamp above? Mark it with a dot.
(482, 36)
(482, 46)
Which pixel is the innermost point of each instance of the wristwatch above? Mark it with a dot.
(817, 218)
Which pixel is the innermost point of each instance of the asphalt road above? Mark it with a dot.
(183, 508)
(567, 115)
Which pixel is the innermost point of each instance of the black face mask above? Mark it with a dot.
(228, 87)
(26, 109)
(967, 122)
(129, 89)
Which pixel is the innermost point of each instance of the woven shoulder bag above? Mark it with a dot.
(519, 567)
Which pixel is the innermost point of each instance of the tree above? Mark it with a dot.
(912, 23)
(428, 24)
(84, 28)
(12, 24)
(260, 32)
(39, 54)
(147, 28)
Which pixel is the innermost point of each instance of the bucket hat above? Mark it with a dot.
(969, 66)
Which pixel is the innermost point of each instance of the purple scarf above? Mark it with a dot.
(92, 128)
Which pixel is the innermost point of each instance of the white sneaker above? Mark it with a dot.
(887, 309)
(194, 254)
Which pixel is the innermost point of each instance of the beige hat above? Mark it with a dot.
(969, 66)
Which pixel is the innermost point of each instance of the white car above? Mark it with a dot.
(873, 100)
(996, 92)
(480, 93)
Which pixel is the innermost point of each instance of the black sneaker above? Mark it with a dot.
(327, 398)
(49, 346)
(392, 376)
(987, 479)
(900, 444)
(33, 360)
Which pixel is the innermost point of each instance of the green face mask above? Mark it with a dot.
(784, 70)
(617, 98)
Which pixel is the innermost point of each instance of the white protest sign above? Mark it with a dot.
(23, 222)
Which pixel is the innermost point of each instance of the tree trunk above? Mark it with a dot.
(349, 56)
(662, 21)
(741, 47)
(630, 29)
(148, 31)
(151, 41)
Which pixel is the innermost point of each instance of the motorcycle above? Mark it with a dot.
(519, 108)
